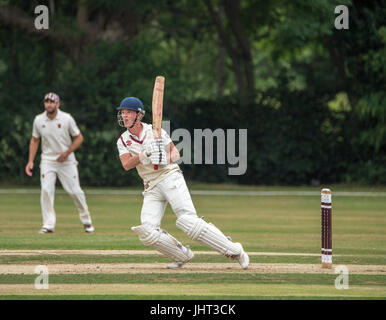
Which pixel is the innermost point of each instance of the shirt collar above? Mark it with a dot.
(143, 132)
(57, 117)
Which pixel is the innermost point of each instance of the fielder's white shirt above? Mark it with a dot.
(133, 145)
(55, 135)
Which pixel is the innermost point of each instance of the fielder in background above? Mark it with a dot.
(56, 129)
(138, 149)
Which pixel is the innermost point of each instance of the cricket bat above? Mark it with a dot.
(157, 105)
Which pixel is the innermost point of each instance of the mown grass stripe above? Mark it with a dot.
(49, 259)
(321, 279)
(187, 290)
(173, 297)
(245, 193)
(133, 252)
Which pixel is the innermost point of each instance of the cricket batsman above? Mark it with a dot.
(139, 149)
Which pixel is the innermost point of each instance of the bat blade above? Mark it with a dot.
(157, 107)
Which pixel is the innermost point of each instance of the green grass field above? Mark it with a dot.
(282, 233)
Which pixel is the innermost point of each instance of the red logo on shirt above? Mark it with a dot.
(128, 142)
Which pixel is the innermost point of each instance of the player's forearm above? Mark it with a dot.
(75, 144)
(173, 156)
(130, 163)
(33, 148)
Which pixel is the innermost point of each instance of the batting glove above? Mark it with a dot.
(144, 156)
(157, 145)
(159, 158)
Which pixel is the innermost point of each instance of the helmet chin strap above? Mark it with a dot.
(135, 120)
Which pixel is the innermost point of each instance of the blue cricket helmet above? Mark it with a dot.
(132, 103)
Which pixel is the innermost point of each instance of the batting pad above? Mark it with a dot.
(208, 234)
(161, 241)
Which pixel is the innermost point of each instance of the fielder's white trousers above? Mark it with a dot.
(68, 177)
(172, 189)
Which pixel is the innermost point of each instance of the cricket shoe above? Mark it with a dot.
(88, 228)
(243, 258)
(45, 230)
(178, 264)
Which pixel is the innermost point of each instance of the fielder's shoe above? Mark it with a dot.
(88, 228)
(177, 265)
(45, 230)
(243, 258)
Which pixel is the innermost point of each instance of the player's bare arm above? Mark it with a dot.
(75, 145)
(173, 154)
(128, 161)
(33, 148)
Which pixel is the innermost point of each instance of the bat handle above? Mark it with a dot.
(155, 167)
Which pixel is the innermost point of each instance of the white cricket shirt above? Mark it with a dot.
(128, 143)
(55, 135)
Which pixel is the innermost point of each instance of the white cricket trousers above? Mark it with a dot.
(172, 189)
(69, 178)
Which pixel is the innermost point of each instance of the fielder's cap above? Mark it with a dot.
(132, 103)
(52, 96)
